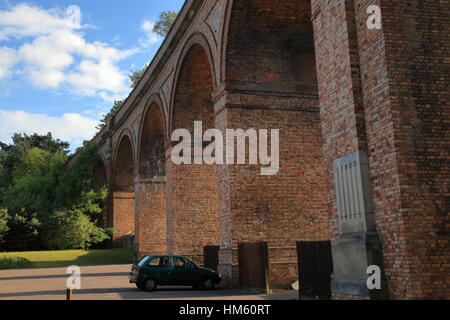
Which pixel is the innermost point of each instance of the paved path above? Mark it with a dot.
(103, 283)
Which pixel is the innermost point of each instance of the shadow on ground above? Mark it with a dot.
(64, 276)
(107, 283)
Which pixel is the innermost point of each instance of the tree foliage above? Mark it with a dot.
(41, 199)
(18, 157)
(164, 23)
(24, 232)
(4, 219)
(103, 122)
(75, 230)
(136, 76)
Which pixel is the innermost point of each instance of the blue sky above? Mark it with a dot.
(62, 63)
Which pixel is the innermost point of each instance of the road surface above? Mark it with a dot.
(105, 283)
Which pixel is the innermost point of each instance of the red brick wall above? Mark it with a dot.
(192, 190)
(271, 83)
(380, 91)
(123, 208)
(402, 122)
(123, 217)
(151, 228)
(339, 118)
(280, 209)
(270, 47)
(407, 111)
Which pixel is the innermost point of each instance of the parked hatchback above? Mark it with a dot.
(153, 271)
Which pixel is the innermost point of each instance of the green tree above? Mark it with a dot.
(79, 179)
(165, 22)
(72, 229)
(41, 192)
(91, 204)
(44, 142)
(34, 181)
(24, 232)
(116, 107)
(136, 76)
(12, 155)
(4, 218)
(3, 175)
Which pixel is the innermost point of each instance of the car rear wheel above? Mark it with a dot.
(150, 285)
(208, 284)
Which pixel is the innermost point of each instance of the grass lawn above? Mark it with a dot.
(53, 259)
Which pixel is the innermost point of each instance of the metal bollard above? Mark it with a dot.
(69, 294)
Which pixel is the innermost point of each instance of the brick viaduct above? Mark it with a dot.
(364, 119)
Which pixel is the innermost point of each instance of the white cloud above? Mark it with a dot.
(71, 127)
(93, 77)
(56, 55)
(150, 38)
(8, 59)
(28, 20)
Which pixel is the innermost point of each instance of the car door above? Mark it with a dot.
(159, 269)
(183, 273)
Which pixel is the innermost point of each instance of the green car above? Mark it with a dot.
(153, 271)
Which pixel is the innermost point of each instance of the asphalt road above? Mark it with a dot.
(105, 283)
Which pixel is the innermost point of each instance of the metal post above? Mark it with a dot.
(69, 294)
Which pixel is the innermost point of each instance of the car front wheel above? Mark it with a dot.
(150, 285)
(208, 284)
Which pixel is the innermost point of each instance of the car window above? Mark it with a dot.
(165, 262)
(155, 262)
(190, 263)
(143, 261)
(179, 263)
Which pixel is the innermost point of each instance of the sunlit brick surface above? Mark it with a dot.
(312, 69)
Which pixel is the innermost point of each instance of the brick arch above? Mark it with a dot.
(197, 39)
(270, 83)
(101, 171)
(123, 190)
(193, 189)
(151, 213)
(154, 100)
(125, 137)
(102, 177)
(368, 118)
(267, 47)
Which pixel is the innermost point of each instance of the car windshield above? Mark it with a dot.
(143, 261)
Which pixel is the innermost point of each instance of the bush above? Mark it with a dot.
(24, 232)
(3, 226)
(72, 229)
(14, 263)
